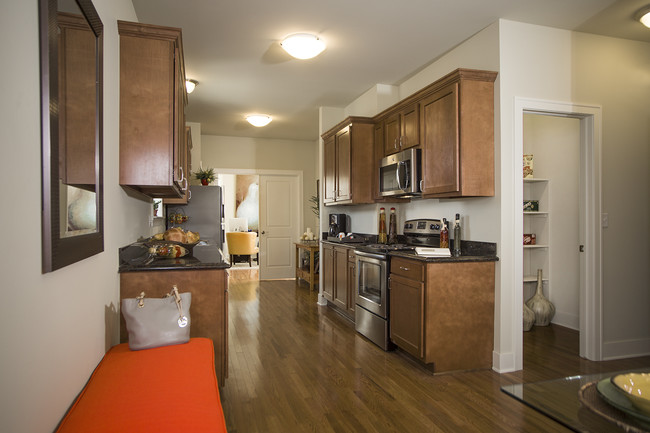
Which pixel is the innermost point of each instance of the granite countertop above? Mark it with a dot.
(471, 251)
(205, 255)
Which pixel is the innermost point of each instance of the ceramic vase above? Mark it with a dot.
(529, 318)
(543, 308)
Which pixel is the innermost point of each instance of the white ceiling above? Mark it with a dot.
(231, 48)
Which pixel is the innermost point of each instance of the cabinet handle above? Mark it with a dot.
(186, 184)
(180, 169)
(401, 141)
(421, 185)
(395, 143)
(189, 197)
(403, 268)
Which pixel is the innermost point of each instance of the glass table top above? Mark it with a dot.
(558, 399)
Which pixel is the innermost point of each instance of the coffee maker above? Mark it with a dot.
(338, 224)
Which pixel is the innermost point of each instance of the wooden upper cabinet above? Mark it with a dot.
(152, 109)
(329, 169)
(402, 130)
(343, 165)
(457, 136)
(185, 160)
(348, 162)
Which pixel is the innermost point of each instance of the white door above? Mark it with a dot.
(280, 222)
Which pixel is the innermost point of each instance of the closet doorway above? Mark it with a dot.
(564, 140)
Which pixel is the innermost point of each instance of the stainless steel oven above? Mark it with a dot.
(371, 297)
(372, 311)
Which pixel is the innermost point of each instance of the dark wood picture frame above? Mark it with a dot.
(58, 251)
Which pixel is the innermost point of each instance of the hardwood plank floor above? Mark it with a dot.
(298, 367)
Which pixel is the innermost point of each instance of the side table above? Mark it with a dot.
(304, 271)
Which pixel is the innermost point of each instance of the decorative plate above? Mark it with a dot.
(616, 398)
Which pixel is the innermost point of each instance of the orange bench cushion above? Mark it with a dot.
(166, 389)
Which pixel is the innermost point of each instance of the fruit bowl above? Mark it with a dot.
(636, 387)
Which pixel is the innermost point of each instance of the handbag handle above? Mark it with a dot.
(182, 319)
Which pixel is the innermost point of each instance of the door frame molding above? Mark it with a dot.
(590, 116)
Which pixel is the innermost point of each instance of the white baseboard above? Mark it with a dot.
(570, 321)
(626, 349)
(503, 362)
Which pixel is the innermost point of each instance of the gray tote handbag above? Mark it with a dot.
(155, 322)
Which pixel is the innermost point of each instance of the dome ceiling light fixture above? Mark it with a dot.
(643, 15)
(259, 120)
(190, 85)
(303, 45)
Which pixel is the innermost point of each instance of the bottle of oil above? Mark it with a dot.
(392, 227)
(457, 236)
(381, 238)
(444, 234)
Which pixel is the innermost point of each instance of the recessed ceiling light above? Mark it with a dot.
(303, 45)
(259, 120)
(190, 85)
(643, 15)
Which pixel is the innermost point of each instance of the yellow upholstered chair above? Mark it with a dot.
(242, 244)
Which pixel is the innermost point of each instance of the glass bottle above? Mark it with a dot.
(457, 236)
(444, 234)
(392, 227)
(382, 226)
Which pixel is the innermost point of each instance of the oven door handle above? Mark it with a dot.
(376, 256)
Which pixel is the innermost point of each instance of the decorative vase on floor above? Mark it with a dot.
(543, 308)
(529, 318)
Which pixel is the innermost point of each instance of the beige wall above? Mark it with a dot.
(54, 328)
(265, 154)
(556, 65)
(616, 74)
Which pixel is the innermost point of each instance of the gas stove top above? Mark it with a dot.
(384, 248)
(418, 233)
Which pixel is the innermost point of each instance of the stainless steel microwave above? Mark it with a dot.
(399, 174)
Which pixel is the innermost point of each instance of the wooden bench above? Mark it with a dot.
(166, 389)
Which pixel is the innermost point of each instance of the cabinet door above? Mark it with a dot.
(407, 314)
(343, 165)
(440, 141)
(352, 276)
(208, 309)
(329, 169)
(187, 168)
(393, 131)
(328, 272)
(410, 131)
(378, 150)
(341, 277)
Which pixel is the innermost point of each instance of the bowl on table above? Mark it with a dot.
(636, 387)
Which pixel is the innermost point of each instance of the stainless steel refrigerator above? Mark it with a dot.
(204, 213)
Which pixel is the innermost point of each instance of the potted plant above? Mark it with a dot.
(205, 175)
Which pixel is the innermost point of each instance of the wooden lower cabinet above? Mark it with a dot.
(208, 310)
(338, 277)
(442, 313)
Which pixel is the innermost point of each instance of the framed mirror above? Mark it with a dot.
(71, 41)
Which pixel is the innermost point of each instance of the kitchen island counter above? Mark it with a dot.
(205, 255)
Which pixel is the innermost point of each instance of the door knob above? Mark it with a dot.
(263, 232)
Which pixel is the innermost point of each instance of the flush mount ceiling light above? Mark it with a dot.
(259, 120)
(303, 45)
(190, 85)
(643, 15)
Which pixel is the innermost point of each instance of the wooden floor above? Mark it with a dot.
(298, 367)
